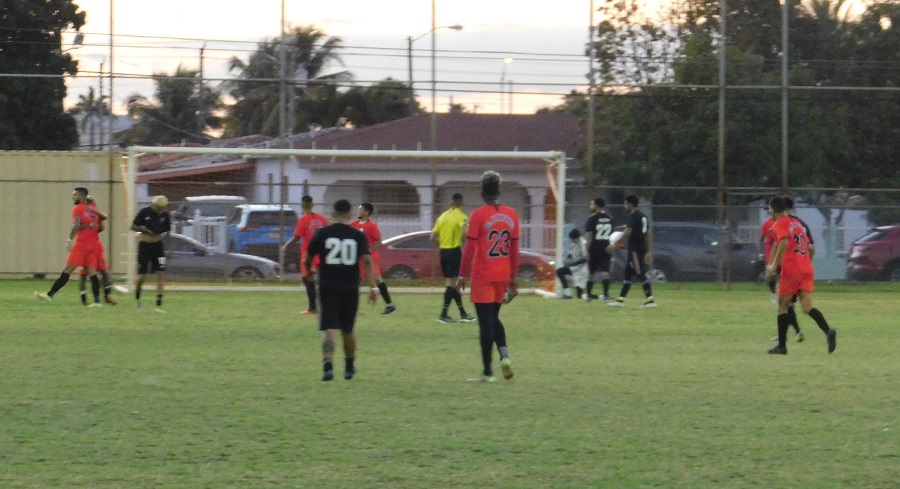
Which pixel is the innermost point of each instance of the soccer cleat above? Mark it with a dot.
(389, 309)
(160, 310)
(483, 378)
(95, 304)
(465, 318)
(42, 296)
(566, 297)
(506, 366)
(349, 373)
(604, 298)
(832, 340)
(617, 303)
(309, 311)
(445, 319)
(800, 337)
(777, 350)
(327, 375)
(110, 301)
(650, 302)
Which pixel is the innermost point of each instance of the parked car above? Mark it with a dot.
(260, 230)
(414, 255)
(876, 256)
(207, 205)
(188, 258)
(688, 251)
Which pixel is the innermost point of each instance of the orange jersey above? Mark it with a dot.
(88, 235)
(767, 231)
(306, 226)
(796, 255)
(493, 230)
(372, 233)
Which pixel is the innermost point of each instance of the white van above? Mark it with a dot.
(207, 205)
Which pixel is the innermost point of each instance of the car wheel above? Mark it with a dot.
(400, 273)
(527, 273)
(892, 272)
(246, 273)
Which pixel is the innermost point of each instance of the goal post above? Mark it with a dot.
(555, 172)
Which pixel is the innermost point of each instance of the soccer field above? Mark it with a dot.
(224, 391)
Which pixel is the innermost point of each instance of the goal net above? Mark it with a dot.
(231, 205)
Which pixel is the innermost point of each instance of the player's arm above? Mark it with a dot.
(370, 274)
(435, 234)
(97, 212)
(291, 242)
(777, 257)
(648, 257)
(76, 226)
(465, 265)
(623, 239)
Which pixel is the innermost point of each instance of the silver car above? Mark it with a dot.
(188, 258)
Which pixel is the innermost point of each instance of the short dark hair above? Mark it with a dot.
(306, 199)
(457, 197)
(599, 202)
(788, 202)
(777, 204)
(575, 233)
(632, 199)
(82, 191)
(342, 206)
(490, 184)
(368, 207)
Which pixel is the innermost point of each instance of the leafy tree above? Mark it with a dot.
(257, 89)
(172, 117)
(384, 101)
(31, 108)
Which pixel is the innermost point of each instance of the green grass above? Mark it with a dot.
(224, 391)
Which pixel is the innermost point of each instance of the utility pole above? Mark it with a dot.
(589, 150)
(99, 122)
(201, 103)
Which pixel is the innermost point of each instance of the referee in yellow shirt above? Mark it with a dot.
(448, 233)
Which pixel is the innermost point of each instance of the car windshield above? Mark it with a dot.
(209, 208)
(272, 218)
(874, 235)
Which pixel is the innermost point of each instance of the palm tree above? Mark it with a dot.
(308, 53)
(94, 110)
(172, 117)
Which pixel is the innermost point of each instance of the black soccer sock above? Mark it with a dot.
(626, 286)
(137, 294)
(589, 287)
(95, 287)
(107, 290)
(158, 300)
(772, 285)
(310, 293)
(606, 283)
(792, 317)
(485, 314)
(819, 319)
(561, 275)
(578, 291)
(382, 287)
(648, 291)
(448, 297)
(457, 297)
(783, 325)
(83, 296)
(327, 365)
(499, 330)
(348, 364)
(60, 283)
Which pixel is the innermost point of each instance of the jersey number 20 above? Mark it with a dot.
(340, 251)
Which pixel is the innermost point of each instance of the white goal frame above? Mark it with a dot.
(555, 160)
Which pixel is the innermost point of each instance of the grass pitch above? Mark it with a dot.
(224, 391)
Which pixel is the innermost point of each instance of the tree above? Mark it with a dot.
(172, 117)
(94, 110)
(256, 90)
(384, 101)
(31, 109)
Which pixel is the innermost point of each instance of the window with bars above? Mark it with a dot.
(393, 197)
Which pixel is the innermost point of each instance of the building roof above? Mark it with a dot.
(455, 132)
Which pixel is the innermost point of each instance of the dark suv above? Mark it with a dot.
(688, 251)
(876, 255)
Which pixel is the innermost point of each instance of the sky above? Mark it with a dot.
(545, 41)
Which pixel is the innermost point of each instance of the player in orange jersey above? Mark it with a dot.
(373, 235)
(491, 256)
(82, 246)
(102, 267)
(307, 225)
(792, 257)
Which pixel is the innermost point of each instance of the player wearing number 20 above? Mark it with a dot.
(491, 254)
(597, 231)
(340, 247)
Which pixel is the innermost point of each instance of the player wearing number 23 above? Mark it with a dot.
(491, 254)
(340, 248)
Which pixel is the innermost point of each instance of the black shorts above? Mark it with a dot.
(337, 306)
(451, 258)
(636, 265)
(599, 262)
(151, 258)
